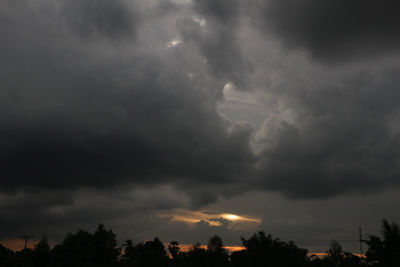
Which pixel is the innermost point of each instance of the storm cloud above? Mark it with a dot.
(115, 111)
(333, 30)
(336, 140)
(91, 118)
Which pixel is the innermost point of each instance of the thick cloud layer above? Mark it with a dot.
(155, 105)
(334, 30)
(86, 112)
(215, 36)
(111, 19)
(342, 137)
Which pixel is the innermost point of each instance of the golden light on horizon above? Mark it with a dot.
(17, 244)
(187, 247)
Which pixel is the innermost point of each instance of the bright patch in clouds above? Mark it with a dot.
(231, 217)
(200, 21)
(213, 219)
(234, 217)
(173, 43)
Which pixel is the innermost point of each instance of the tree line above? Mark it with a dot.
(99, 249)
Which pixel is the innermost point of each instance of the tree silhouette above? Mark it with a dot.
(335, 254)
(196, 256)
(217, 255)
(385, 252)
(128, 249)
(240, 258)
(215, 245)
(335, 250)
(105, 249)
(336, 257)
(265, 251)
(174, 249)
(127, 257)
(150, 253)
(6, 256)
(41, 255)
(87, 250)
(84, 249)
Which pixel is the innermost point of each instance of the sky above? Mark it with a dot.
(182, 119)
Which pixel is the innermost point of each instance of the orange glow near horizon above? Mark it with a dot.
(17, 244)
(324, 254)
(188, 247)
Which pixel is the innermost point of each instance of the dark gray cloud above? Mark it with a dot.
(110, 111)
(30, 212)
(334, 30)
(214, 34)
(344, 139)
(83, 120)
(224, 11)
(111, 19)
(81, 113)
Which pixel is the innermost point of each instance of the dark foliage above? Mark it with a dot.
(385, 251)
(336, 257)
(263, 250)
(150, 253)
(41, 255)
(174, 249)
(6, 256)
(84, 249)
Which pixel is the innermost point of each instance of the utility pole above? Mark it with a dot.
(361, 240)
(26, 238)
